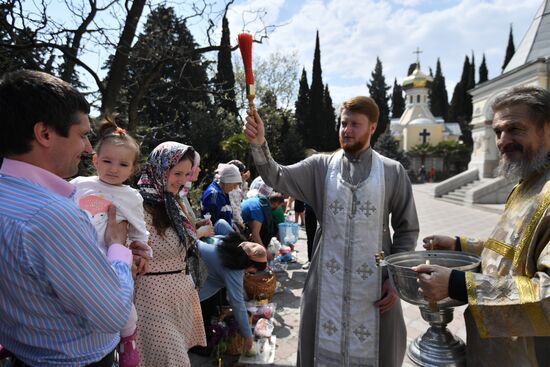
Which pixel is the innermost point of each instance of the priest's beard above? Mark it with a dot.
(521, 168)
(355, 147)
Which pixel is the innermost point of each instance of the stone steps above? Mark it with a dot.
(458, 195)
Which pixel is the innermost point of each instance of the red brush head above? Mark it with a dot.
(245, 45)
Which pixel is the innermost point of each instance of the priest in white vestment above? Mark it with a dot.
(508, 314)
(350, 314)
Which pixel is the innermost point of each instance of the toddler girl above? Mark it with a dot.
(115, 160)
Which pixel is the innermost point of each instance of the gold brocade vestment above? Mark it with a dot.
(508, 318)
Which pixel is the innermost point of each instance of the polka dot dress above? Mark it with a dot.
(168, 306)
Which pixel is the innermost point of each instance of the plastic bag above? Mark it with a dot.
(259, 311)
(273, 247)
(264, 328)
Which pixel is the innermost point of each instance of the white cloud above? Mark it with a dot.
(353, 33)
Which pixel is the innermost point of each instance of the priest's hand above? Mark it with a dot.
(433, 281)
(438, 242)
(254, 128)
(389, 297)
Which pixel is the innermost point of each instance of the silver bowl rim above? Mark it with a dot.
(425, 255)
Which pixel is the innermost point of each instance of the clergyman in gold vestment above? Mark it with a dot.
(508, 314)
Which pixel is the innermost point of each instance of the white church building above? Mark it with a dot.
(530, 66)
(417, 125)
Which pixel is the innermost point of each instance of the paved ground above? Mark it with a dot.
(436, 216)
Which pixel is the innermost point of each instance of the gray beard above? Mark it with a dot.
(515, 171)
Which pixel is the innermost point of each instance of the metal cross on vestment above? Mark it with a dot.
(332, 265)
(364, 271)
(367, 208)
(336, 207)
(362, 333)
(329, 327)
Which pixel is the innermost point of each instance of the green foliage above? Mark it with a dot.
(439, 101)
(291, 147)
(237, 147)
(456, 155)
(280, 130)
(397, 101)
(421, 150)
(461, 104)
(302, 110)
(378, 90)
(278, 73)
(316, 101)
(225, 78)
(411, 68)
(389, 147)
(510, 50)
(14, 59)
(483, 71)
(450, 148)
(472, 74)
(329, 139)
(166, 92)
(315, 115)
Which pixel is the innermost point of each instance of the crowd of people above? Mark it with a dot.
(92, 268)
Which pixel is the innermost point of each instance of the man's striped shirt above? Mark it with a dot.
(61, 302)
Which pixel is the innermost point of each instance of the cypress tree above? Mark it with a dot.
(225, 78)
(510, 50)
(397, 100)
(411, 68)
(316, 101)
(378, 91)
(330, 137)
(389, 147)
(302, 111)
(472, 75)
(439, 100)
(483, 72)
(461, 104)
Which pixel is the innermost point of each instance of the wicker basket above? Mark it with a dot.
(260, 286)
(235, 344)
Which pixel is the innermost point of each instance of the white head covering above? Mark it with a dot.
(229, 173)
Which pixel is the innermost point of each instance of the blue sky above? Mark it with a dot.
(354, 32)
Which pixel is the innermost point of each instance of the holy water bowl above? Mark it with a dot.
(405, 280)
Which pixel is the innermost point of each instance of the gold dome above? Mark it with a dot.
(417, 79)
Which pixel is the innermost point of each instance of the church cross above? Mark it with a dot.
(418, 52)
(332, 266)
(336, 207)
(367, 208)
(364, 271)
(424, 134)
(362, 333)
(329, 327)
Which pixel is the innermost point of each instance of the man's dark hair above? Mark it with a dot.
(276, 198)
(233, 256)
(240, 165)
(535, 98)
(28, 97)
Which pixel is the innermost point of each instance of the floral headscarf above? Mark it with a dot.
(189, 184)
(153, 186)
